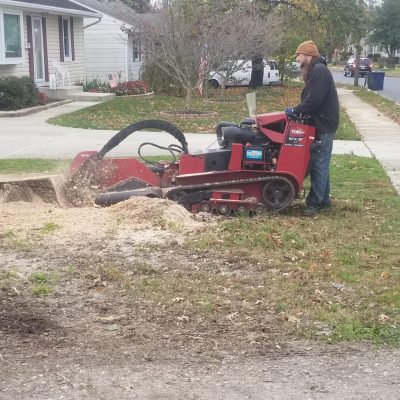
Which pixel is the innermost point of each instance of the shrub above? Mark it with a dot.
(160, 81)
(374, 57)
(17, 93)
(386, 62)
(96, 85)
(130, 88)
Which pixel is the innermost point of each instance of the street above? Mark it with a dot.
(391, 85)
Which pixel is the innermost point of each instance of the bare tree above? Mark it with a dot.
(178, 36)
(240, 34)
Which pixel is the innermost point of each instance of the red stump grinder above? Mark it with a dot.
(260, 165)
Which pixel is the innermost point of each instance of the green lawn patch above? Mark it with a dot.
(346, 130)
(204, 116)
(31, 165)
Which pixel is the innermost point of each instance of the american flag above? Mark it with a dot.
(112, 80)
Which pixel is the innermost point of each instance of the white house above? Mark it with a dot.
(110, 51)
(39, 37)
(368, 48)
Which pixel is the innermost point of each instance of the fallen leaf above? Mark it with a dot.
(384, 275)
(293, 319)
(314, 267)
(177, 300)
(383, 317)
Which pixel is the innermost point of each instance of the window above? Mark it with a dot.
(137, 53)
(272, 64)
(66, 31)
(365, 61)
(11, 37)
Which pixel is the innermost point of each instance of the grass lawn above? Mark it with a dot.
(121, 112)
(389, 71)
(336, 276)
(29, 165)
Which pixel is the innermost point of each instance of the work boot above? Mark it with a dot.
(310, 211)
(326, 206)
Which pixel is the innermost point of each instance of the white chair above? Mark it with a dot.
(61, 71)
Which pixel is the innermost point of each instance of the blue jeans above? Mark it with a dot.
(321, 151)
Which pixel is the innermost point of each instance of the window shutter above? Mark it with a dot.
(30, 50)
(60, 36)
(72, 39)
(45, 53)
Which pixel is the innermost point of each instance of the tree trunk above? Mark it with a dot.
(222, 90)
(189, 95)
(391, 62)
(282, 70)
(357, 63)
(257, 72)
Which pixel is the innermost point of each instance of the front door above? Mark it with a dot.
(38, 53)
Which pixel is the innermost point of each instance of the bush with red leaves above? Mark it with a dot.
(130, 88)
(42, 98)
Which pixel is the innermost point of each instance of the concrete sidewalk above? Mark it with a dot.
(380, 134)
(31, 137)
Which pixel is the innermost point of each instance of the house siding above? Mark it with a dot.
(105, 49)
(17, 69)
(134, 67)
(76, 68)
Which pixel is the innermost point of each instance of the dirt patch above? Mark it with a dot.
(122, 307)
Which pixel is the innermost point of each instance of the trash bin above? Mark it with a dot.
(375, 80)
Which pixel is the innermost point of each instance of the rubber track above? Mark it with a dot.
(209, 186)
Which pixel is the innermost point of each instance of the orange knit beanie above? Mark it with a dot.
(308, 48)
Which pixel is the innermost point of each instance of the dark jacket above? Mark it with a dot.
(319, 98)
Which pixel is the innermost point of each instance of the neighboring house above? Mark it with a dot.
(38, 35)
(368, 48)
(111, 52)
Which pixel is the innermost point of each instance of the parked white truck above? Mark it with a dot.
(238, 73)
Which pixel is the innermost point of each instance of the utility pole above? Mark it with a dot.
(356, 63)
(357, 52)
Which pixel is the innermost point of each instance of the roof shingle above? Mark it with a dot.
(64, 4)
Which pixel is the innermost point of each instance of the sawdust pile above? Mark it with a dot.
(136, 220)
(148, 212)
